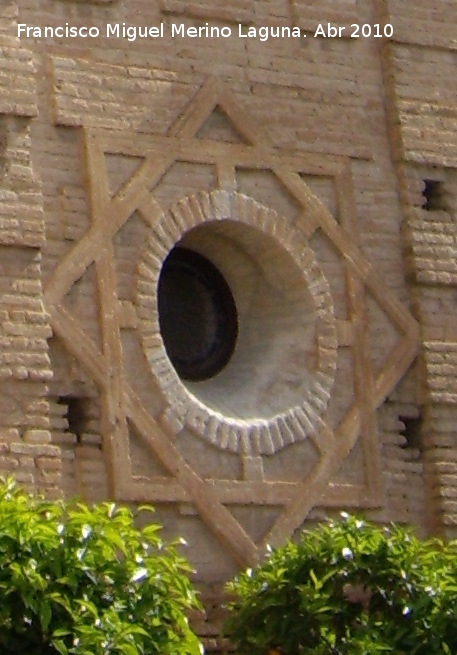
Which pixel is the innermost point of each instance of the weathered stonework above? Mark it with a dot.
(318, 175)
(24, 328)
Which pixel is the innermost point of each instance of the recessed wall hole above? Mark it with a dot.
(433, 196)
(412, 432)
(76, 415)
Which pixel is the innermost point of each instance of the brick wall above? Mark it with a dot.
(417, 71)
(350, 141)
(24, 328)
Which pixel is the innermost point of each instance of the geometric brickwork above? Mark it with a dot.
(105, 363)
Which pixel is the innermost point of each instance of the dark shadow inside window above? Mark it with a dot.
(412, 431)
(76, 415)
(433, 196)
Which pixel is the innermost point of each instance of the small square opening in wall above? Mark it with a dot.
(412, 431)
(433, 194)
(76, 415)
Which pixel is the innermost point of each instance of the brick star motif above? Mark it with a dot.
(121, 405)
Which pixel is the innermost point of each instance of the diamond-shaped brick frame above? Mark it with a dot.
(119, 401)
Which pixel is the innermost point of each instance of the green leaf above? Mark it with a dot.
(61, 632)
(45, 615)
(128, 649)
(60, 646)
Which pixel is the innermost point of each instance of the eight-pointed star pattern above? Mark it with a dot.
(120, 403)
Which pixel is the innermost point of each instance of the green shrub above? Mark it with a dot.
(87, 582)
(349, 587)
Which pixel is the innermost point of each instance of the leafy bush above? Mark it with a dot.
(349, 587)
(87, 582)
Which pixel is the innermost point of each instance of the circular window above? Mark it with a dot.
(237, 323)
(197, 315)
